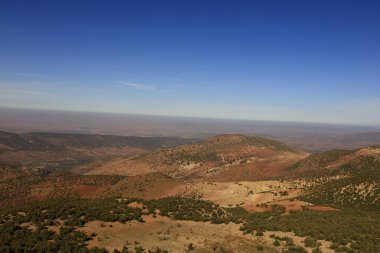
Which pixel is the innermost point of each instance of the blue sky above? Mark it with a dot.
(308, 61)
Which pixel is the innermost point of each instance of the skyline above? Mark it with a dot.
(274, 61)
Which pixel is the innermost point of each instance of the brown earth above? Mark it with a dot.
(176, 236)
(147, 186)
(255, 196)
(173, 235)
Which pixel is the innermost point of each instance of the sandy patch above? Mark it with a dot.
(172, 235)
(255, 196)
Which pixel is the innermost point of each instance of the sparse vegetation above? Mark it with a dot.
(359, 186)
(311, 242)
(359, 229)
(351, 185)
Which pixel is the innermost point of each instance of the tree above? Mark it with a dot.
(190, 247)
(139, 249)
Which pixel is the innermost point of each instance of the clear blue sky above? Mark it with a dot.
(311, 61)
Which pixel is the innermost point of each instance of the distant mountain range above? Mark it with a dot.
(67, 150)
(315, 143)
(64, 141)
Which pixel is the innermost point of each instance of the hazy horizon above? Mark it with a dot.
(29, 120)
(249, 60)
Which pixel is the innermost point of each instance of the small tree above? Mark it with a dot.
(139, 249)
(311, 242)
(317, 250)
(190, 247)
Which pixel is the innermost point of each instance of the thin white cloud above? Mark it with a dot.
(175, 79)
(19, 89)
(138, 86)
(27, 75)
(177, 85)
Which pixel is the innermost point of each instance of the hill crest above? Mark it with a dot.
(228, 157)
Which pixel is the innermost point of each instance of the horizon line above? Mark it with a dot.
(193, 117)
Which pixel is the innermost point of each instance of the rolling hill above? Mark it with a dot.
(221, 158)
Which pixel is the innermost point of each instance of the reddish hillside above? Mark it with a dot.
(222, 158)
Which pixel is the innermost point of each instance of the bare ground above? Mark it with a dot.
(173, 235)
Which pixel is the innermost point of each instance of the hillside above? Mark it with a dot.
(342, 178)
(320, 164)
(220, 158)
(19, 186)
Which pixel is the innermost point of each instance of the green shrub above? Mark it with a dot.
(297, 249)
(311, 242)
(317, 250)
